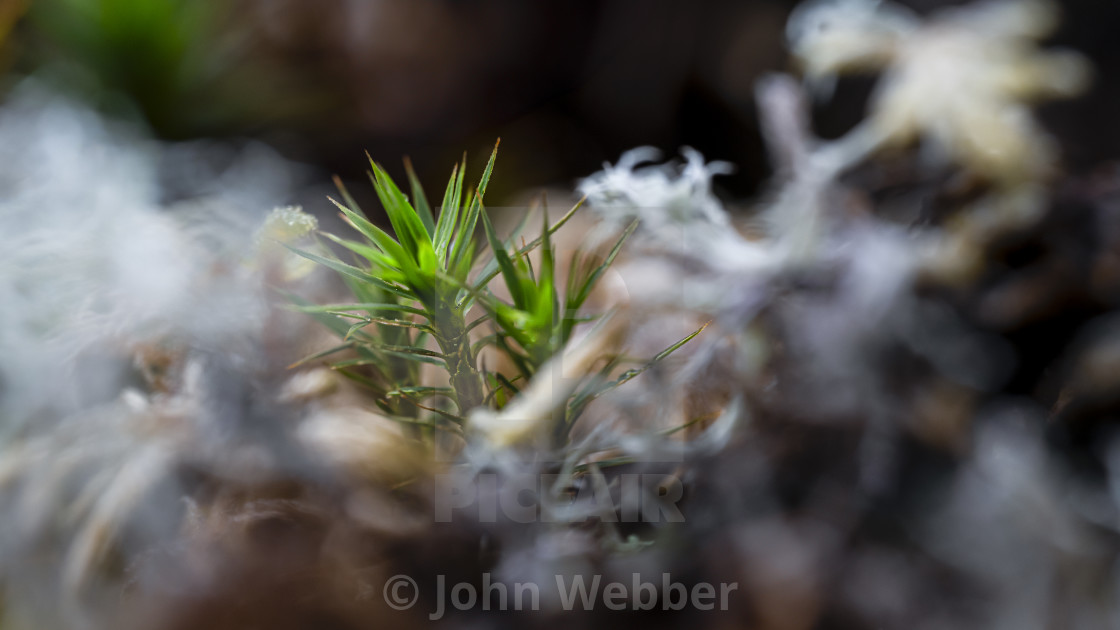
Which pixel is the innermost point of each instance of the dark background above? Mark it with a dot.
(566, 84)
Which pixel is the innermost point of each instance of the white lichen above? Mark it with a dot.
(963, 79)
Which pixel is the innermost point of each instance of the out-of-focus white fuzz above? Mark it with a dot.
(104, 268)
(677, 211)
(529, 415)
(288, 225)
(963, 78)
(95, 260)
(660, 196)
(361, 444)
(833, 36)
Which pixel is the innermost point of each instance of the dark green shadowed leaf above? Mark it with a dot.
(505, 265)
(589, 279)
(320, 355)
(419, 200)
(580, 401)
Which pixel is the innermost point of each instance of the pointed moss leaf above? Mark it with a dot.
(420, 392)
(410, 230)
(448, 215)
(594, 275)
(337, 265)
(350, 202)
(630, 375)
(322, 354)
(379, 237)
(490, 270)
(466, 229)
(463, 266)
(368, 308)
(419, 200)
(372, 254)
(509, 272)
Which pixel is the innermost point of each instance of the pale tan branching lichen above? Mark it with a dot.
(963, 79)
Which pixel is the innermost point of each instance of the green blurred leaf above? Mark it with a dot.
(369, 308)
